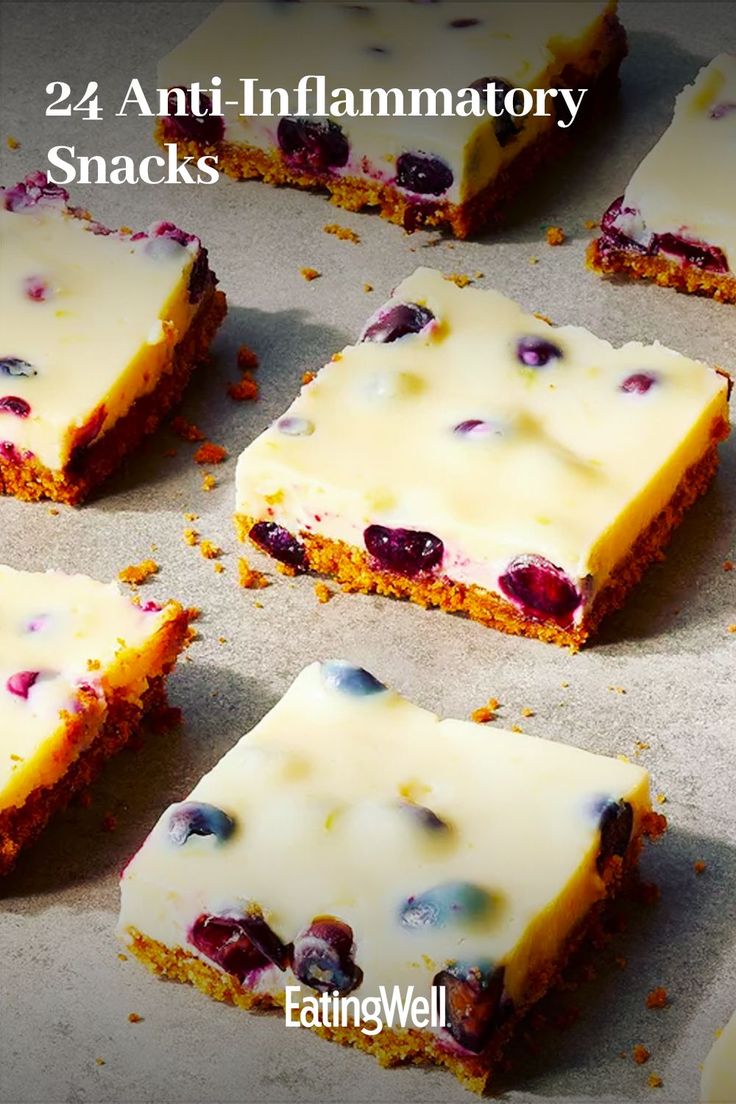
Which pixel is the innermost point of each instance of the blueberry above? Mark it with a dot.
(280, 544)
(461, 24)
(169, 231)
(422, 174)
(699, 254)
(10, 453)
(36, 624)
(11, 404)
(537, 352)
(223, 939)
(21, 682)
(36, 289)
(349, 679)
(505, 125)
(476, 1003)
(264, 939)
(34, 191)
(616, 824)
(392, 323)
(450, 903)
(323, 956)
(611, 235)
(720, 110)
(85, 434)
(295, 427)
(14, 366)
(313, 144)
(197, 818)
(638, 383)
(477, 428)
(424, 817)
(207, 129)
(406, 551)
(542, 590)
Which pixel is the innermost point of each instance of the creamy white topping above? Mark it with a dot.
(718, 1082)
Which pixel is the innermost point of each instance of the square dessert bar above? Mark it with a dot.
(447, 171)
(468, 455)
(353, 841)
(80, 665)
(676, 222)
(100, 331)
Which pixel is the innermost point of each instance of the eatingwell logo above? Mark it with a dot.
(393, 1007)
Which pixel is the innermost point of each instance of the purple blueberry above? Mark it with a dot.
(394, 322)
(36, 289)
(197, 818)
(10, 453)
(295, 427)
(151, 606)
(36, 624)
(638, 383)
(223, 939)
(476, 1003)
(265, 940)
(351, 680)
(21, 682)
(537, 352)
(699, 254)
(611, 235)
(207, 129)
(616, 824)
(324, 956)
(313, 144)
(478, 429)
(280, 544)
(170, 232)
(541, 589)
(12, 404)
(406, 551)
(423, 174)
(453, 903)
(720, 110)
(14, 366)
(424, 817)
(505, 125)
(34, 191)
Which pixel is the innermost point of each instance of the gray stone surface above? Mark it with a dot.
(64, 994)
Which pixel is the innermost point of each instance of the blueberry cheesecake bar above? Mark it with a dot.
(444, 171)
(468, 455)
(676, 222)
(718, 1080)
(80, 666)
(262, 879)
(99, 333)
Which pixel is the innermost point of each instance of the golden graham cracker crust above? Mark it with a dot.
(609, 261)
(30, 480)
(403, 1046)
(598, 72)
(356, 570)
(20, 825)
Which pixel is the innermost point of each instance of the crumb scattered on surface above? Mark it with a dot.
(323, 592)
(654, 1081)
(191, 517)
(657, 998)
(641, 745)
(188, 431)
(12, 143)
(308, 377)
(310, 273)
(247, 359)
(218, 567)
(122, 957)
(591, 224)
(487, 712)
(191, 537)
(210, 454)
(210, 550)
(640, 1054)
(459, 278)
(654, 824)
(135, 574)
(700, 867)
(617, 689)
(661, 799)
(526, 712)
(555, 235)
(249, 578)
(728, 565)
(344, 233)
(732, 628)
(533, 260)
(367, 288)
(246, 389)
(564, 685)
(517, 728)
(133, 1017)
(53, 511)
(208, 482)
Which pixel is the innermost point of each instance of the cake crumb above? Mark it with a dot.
(218, 567)
(323, 593)
(700, 867)
(555, 235)
(246, 389)
(661, 799)
(191, 517)
(12, 142)
(617, 689)
(247, 359)
(249, 578)
(459, 278)
(210, 454)
(564, 685)
(310, 273)
(591, 224)
(657, 998)
(93, 664)
(53, 511)
(487, 712)
(654, 1081)
(344, 233)
(517, 728)
(641, 745)
(533, 260)
(526, 712)
(100, 1061)
(208, 482)
(122, 957)
(191, 537)
(732, 628)
(308, 377)
(187, 431)
(109, 823)
(367, 288)
(135, 574)
(728, 565)
(654, 824)
(640, 1054)
(210, 550)
(133, 1017)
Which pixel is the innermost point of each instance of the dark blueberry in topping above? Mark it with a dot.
(323, 956)
(616, 824)
(21, 682)
(197, 818)
(542, 590)
(476, 1004)
(424, 817)
(36, 624)
(199, 276)
(279, 543)
(171, 232)
(691, 252)
(295, 427)
(720, 110)
(505, 125)
(350, 680)
(406, 551)
(223, 939)
(14, 366)
(265, 940)
(315, 144)
(449, 903)
(10, 453)
(461, 24)
(11, 404)
(638, 383)
(207, 129)
(34, 191)
(611, 236)
(392, 323)
(150, 606)
(478, 429)
(537, 352)
(36, 289)
(422, 174)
